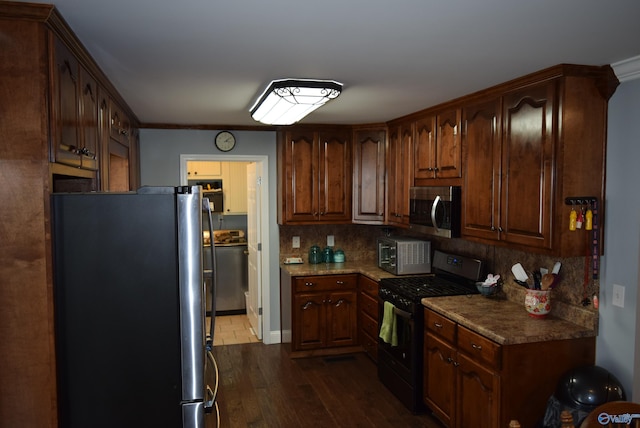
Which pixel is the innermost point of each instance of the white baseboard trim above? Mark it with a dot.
(272, 338)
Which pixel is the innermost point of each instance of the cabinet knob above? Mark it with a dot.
(476, 347)
(456, 364)
(500, 229)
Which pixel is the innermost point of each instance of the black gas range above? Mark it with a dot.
(400, 360)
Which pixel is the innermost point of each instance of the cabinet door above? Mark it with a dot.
(477, 395)
(334, 182)
(527, 162)
(89, 115)
(369, 176)
(235, 187)
(66, 108)
(448, 153)
(300, 188)
(481, 190)
(425, 147)
(204, 169)
(120, 124)
(439, 378)
(438, 151)
(309, 321)
(400, 174)
(342, 313)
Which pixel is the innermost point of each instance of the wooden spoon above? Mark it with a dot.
(547, 281)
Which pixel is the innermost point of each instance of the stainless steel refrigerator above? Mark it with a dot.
(132, 348)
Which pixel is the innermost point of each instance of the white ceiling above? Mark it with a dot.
(204, 62)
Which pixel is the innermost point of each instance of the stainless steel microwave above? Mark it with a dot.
(435, 210)
(401, 255)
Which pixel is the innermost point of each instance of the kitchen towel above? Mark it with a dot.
(388, 331)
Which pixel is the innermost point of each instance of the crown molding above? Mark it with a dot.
(628, 69)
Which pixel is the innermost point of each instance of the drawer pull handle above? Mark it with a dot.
(308, 284)
(340, 282)
(437, 324)
(476, 347)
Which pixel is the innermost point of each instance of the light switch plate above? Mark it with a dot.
(330, 241)
(296, 242)
(618, 295)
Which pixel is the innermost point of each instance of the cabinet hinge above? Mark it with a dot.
(259, 311)
(259, 181)
(259, 246)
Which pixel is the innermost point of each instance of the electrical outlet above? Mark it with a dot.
(296, 242)
(618, 295)
(330, 241)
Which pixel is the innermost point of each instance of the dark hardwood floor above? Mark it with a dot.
(260, 386)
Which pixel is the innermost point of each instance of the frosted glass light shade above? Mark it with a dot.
(287, 101)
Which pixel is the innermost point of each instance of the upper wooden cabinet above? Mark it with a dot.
(399, 173)
(120, 124)
(438, 151)
(314, 169)
(369, 146)
(74, 112)
(528, 146)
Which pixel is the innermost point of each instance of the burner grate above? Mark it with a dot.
(415, 288)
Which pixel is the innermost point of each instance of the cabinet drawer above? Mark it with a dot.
(370, 345)
(369, 286)
(479, 347)
(369, 325)
(326, 282)
(440, 325)
(369, 305)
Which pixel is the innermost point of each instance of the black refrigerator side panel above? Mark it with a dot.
(116, 304)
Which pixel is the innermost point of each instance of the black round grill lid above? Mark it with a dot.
(587, 387)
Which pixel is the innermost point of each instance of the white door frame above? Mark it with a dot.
(264, 215)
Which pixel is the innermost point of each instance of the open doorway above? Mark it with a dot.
(260, 207)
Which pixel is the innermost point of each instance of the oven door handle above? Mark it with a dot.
(401, 313)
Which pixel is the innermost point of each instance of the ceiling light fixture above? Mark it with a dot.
(287, 101)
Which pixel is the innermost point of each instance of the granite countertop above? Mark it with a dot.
(370, 270)
(504, 321)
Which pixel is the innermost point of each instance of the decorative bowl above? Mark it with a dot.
(487, 290)
(538, 303)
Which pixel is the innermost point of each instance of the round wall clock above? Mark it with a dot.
(225, 141)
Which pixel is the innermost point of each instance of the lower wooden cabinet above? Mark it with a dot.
(368, 323)
(470, 380)
(324, 312)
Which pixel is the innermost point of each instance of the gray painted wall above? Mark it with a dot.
(160, 151)
(617, 345)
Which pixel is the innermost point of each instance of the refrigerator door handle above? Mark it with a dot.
(211, 274)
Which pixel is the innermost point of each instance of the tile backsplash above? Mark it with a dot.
(359, 244)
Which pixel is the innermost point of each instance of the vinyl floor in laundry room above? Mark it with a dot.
(233, 330)
(261, 386)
